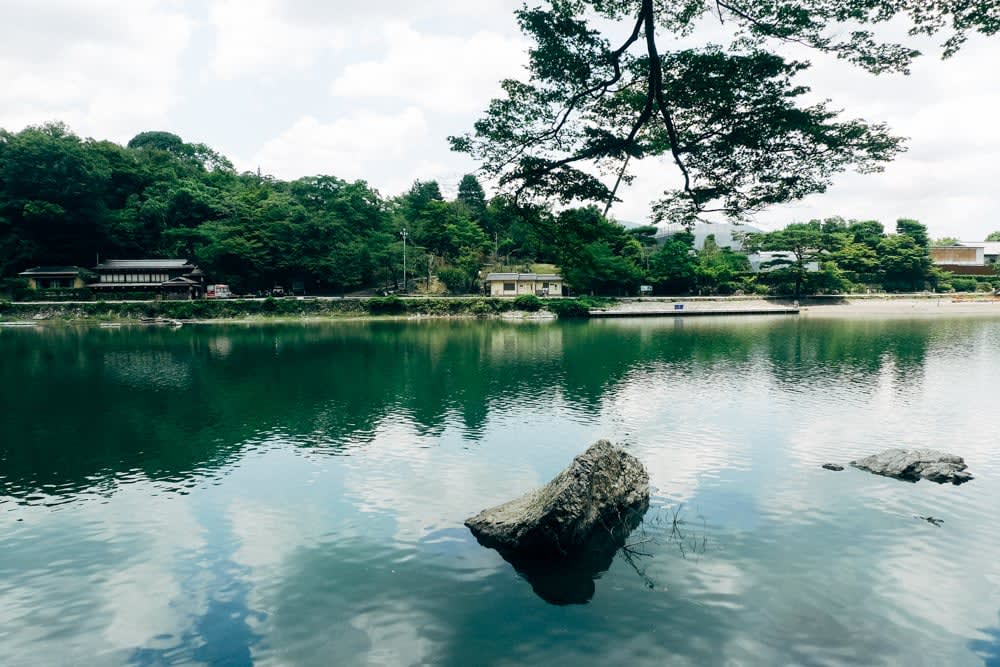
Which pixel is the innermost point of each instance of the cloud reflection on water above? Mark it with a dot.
(326, 488)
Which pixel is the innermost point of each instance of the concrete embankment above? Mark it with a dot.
(694, 308)
(911, 305)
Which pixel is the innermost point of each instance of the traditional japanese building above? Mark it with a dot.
(516, 284)
(169, 278)
(55, 277)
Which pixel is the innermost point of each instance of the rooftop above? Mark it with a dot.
(52, 271)
(144, 264)
(989, 247)
(523, 276)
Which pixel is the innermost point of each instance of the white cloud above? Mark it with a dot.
(357, 13)
(946, 178)
(111, 68)
(447, 73)
(107, 67)
(358, 146)
(256, 37)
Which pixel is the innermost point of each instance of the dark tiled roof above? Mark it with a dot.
(522, 276)
(52, 271)
(144, 264)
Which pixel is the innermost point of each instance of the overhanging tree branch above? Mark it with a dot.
(730, 117)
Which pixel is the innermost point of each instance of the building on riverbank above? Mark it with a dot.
(166, 278)
(55, 277)
(991, 250)
(517, 284)
(964, 260)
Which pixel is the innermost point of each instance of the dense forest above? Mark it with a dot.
(65, 200)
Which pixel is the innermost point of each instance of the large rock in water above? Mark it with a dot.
(604, 492)
(914, 464)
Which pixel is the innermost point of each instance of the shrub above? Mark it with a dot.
(569, 308)
(458, 281)
(963, 284)
(481, 308)
(389, 305)
(528, 302)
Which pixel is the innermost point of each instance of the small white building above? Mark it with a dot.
(516, 284)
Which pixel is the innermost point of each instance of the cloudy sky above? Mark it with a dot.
(372, 90)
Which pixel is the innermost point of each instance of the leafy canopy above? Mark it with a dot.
(730, 117)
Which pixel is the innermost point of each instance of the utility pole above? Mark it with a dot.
(403, 234)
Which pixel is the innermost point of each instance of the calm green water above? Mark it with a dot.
(285, 495)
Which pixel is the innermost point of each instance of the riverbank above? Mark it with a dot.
(240, 310)
(893, 305)
(946, 306)
(250, 310)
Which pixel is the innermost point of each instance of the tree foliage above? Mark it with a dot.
(66, 200)
(730, 117)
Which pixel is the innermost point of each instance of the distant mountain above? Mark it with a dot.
(727, 235)
(631, 224)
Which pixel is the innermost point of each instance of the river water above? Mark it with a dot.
(294, 494)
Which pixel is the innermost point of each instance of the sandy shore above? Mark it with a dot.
(892, 306)
(946, 306)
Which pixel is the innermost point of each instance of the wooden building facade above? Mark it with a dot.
(167, 278)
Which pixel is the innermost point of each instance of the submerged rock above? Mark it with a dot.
(913, 464)
(833, 466)
(601, 491)
(572, 580)
(931, 520)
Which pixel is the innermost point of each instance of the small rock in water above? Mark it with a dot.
(913, 464)
(833, 466)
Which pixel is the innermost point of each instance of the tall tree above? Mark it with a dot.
(915, 230)
(595, 254)
(673, 267)
(53, 194)
(471, 193)
(731, 118)
(905, 264)
(420, 195)
(803, 243)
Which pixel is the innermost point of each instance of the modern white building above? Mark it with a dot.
(991, 249)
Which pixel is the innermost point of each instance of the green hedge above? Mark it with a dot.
(963, 284)
(271, 307)
(571, 308)
(528, 302)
